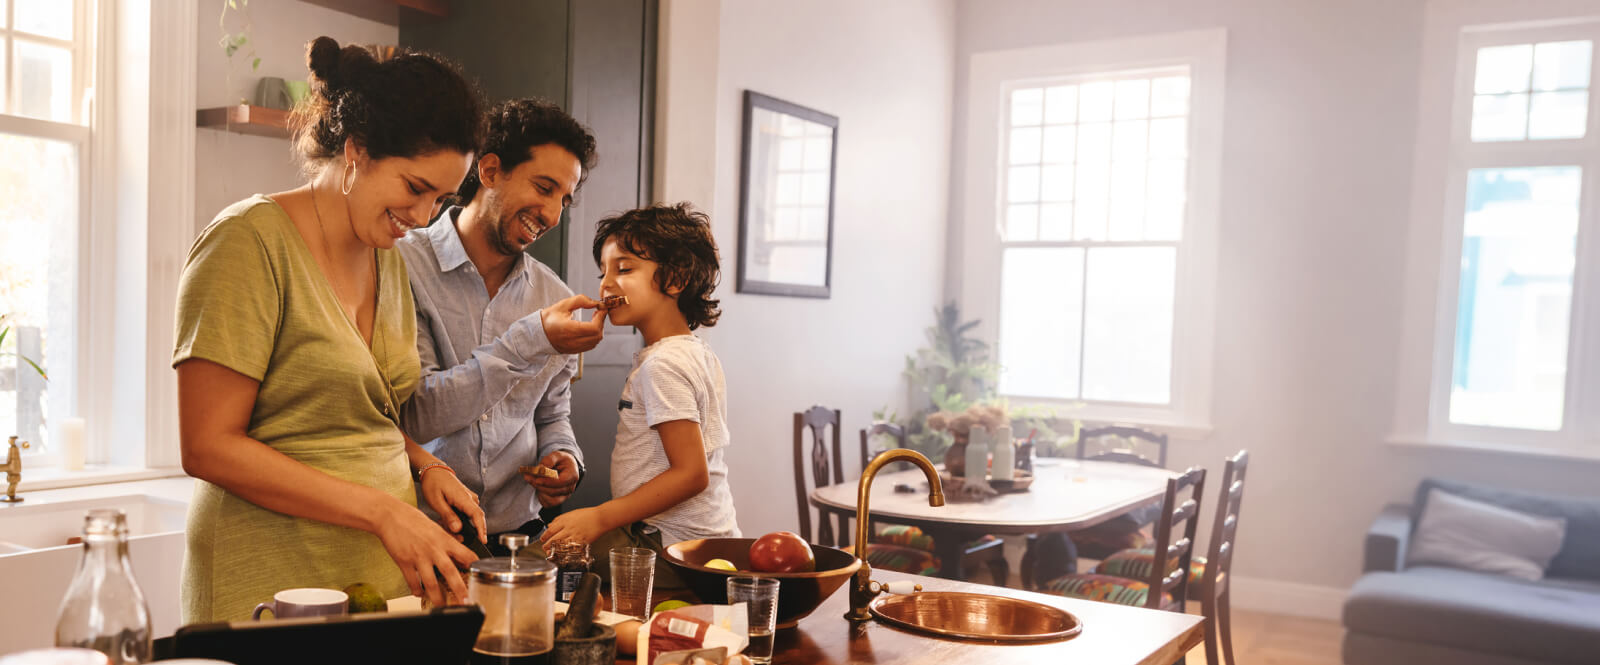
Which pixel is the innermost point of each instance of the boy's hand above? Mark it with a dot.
(570, 335)
(584, 525)
(554, 491)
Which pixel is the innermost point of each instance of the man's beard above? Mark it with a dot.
(505, 226)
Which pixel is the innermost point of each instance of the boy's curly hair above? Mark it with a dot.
(678, 239)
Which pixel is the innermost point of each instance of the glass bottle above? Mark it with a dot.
(571, 558)
(104, 609)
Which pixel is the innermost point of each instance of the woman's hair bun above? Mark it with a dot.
(322, 58)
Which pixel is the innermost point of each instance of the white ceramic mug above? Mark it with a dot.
(304, 603)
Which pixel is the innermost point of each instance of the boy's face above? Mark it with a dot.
(625, 274)
(526, 202)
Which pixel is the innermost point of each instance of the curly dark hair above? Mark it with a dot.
(517, 126)
(678, 238)
(408, 105)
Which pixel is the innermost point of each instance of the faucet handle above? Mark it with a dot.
(902, 587)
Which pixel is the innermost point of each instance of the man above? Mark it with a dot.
(495, 328)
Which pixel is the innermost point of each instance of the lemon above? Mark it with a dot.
(721, 564)
(666, 605)
(364, 598)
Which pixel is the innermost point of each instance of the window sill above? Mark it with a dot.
(1161, 420)
(57, 478)
(1513, 449)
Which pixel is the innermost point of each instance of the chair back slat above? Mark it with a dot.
(896, 431)
(824, 460)
(1126, 441)
(1175, 532)
(1215, 598)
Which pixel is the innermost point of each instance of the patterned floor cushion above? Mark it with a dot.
(1103, 588)
(902, 559)
(913, 537)
(1135, 564)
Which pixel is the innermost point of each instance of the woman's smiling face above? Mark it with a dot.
(393, 195)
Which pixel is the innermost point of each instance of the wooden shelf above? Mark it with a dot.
(246, 119)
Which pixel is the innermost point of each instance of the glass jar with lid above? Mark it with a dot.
(517, 596)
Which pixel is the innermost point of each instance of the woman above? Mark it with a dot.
(296, 344)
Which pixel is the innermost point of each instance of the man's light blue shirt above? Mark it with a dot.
(495, 395)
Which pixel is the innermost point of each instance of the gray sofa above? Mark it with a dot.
(1424, 615)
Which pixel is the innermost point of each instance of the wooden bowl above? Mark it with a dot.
(798, 593)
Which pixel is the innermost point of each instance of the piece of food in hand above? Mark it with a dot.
(613, 302)
(540, 470)
(722, 564)
(364, 598)
(782, 552)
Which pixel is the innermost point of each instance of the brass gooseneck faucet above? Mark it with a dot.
(861, 588)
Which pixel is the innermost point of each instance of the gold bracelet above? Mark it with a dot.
(435, 465)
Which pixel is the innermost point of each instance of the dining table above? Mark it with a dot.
(1064, 495)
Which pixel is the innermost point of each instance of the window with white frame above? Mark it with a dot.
(46, 59)
(1094, 206)
(1524, 164)
(1090, 242)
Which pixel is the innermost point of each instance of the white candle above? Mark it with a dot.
(70, 434)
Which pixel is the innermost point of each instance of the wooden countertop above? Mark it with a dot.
(1112, 635)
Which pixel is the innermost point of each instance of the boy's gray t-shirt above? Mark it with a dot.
(676, 378)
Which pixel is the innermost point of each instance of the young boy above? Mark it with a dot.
(669, 482)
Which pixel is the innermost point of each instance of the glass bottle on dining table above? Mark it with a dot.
(104, 609)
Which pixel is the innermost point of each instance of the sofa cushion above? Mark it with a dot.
(1474, 535)
(1579, 556)
(1556, 623)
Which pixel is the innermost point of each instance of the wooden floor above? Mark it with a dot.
(1275, 639)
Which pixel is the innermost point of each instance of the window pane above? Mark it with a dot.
(1090, 197)
(1558, 115)
(1056, 183)
(45, 74)
(4, 93)
(1027, 106)
(1095, 101)
(1128, 140)
(1499, 117)
(788, 189)
(1169, 96)
(1058, 144)
(1166, 193)
(1126, 221)
(1041, 316)
(814, 189)
(1127, 339)
(38, 287)
(1025, 145)
(1023, 184)
(1094, 143)
(1133, 99)
(4, 12)
(1022, 222)
(1055, 221)
(51, 18)
(1517, 260)
(1169, 138)
(819, 151)
(1061, 104)
(1503, 69)
(1561, 65)
(791, 155)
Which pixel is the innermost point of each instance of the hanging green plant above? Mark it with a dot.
(5, 330)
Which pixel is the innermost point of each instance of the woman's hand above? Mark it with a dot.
(584, 525)
(444, 491)
(426, 554)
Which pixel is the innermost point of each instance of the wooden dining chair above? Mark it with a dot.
(1164, 587)
(987, 551)
(1214, 586)
(1123, 443)
(824, 459)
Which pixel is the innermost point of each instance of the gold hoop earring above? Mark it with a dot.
(347, 180)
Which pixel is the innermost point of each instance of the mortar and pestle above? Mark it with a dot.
(579, 640)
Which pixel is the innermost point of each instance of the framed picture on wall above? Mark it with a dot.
(786, 198)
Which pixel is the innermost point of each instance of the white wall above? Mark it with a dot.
(1320, 123)
(231, 166)
(884, 69)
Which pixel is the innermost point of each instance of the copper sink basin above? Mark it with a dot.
(978, 617)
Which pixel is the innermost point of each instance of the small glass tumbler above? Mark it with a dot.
(760, 596)
(633, 573)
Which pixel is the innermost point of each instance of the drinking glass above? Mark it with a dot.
(760, 596)
(633, 572)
